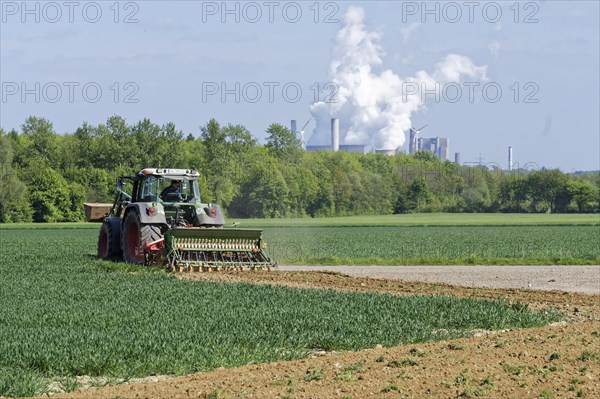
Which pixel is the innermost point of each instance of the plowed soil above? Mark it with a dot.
(557, 361)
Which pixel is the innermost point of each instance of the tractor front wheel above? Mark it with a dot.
(135, 235)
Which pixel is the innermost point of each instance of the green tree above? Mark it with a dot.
(169, 147)
(85, 138)
(321, 203)
(239, 138)
(585, 195)
(283, 143)
(513, 192)
(242, 151)
(304, 188)
(156, 146)
(217, 168)
(423, 155)
(419, 193)
(98, 184)
(379, 194)
(14, 206)
(144, 148)
(264, 194)
(113, 146)
(476, 194)
(549, 188)
(413, 197)
(52, 198)
(44, 139)
(193, 155)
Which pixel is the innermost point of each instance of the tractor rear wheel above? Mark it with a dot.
(135, 235)
(108, 242)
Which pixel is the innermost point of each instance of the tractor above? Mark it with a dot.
(164, 222)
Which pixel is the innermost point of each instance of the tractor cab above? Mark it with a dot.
(167, 186)
(175, 194)
(169, 189)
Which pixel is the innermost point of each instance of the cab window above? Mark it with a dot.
(150, 187)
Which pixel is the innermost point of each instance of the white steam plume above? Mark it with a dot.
(375, 108)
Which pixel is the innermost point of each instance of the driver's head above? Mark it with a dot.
(176, 183)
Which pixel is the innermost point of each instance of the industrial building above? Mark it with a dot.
(355, 148)
(438, 146)
(335, 140)
(318, 148)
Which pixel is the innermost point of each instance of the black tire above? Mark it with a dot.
(135, 234)
(108, 242)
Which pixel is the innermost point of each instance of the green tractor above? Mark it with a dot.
(165, 222)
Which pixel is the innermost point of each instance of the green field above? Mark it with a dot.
(65, 313)
(409, 220)
(508, 245)
(434, 239)
(433, 219)
(422, 239)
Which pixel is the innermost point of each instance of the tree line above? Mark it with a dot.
(47, 177)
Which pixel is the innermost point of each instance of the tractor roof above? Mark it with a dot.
(180, 174)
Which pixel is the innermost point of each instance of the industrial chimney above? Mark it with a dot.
(293, 126)
(335, 134)
(457, 158)
(510, 159)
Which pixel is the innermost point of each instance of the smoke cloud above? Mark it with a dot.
(374, 108)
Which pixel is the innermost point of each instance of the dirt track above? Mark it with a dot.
(584, 279)
(560, 361)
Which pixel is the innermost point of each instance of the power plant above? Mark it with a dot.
(335, 140)
(438, 146)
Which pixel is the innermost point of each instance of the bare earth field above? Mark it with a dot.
(584, 279)
(557, 361)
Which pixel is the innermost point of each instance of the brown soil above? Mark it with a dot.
(557, 361)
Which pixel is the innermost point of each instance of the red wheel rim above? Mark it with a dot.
(133, 240)
(103, 244)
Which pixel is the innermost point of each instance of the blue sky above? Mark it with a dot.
(161, 60)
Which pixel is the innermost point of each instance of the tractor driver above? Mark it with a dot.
(172, 190)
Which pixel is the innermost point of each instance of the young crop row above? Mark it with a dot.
(63, 314)
(435, 245)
